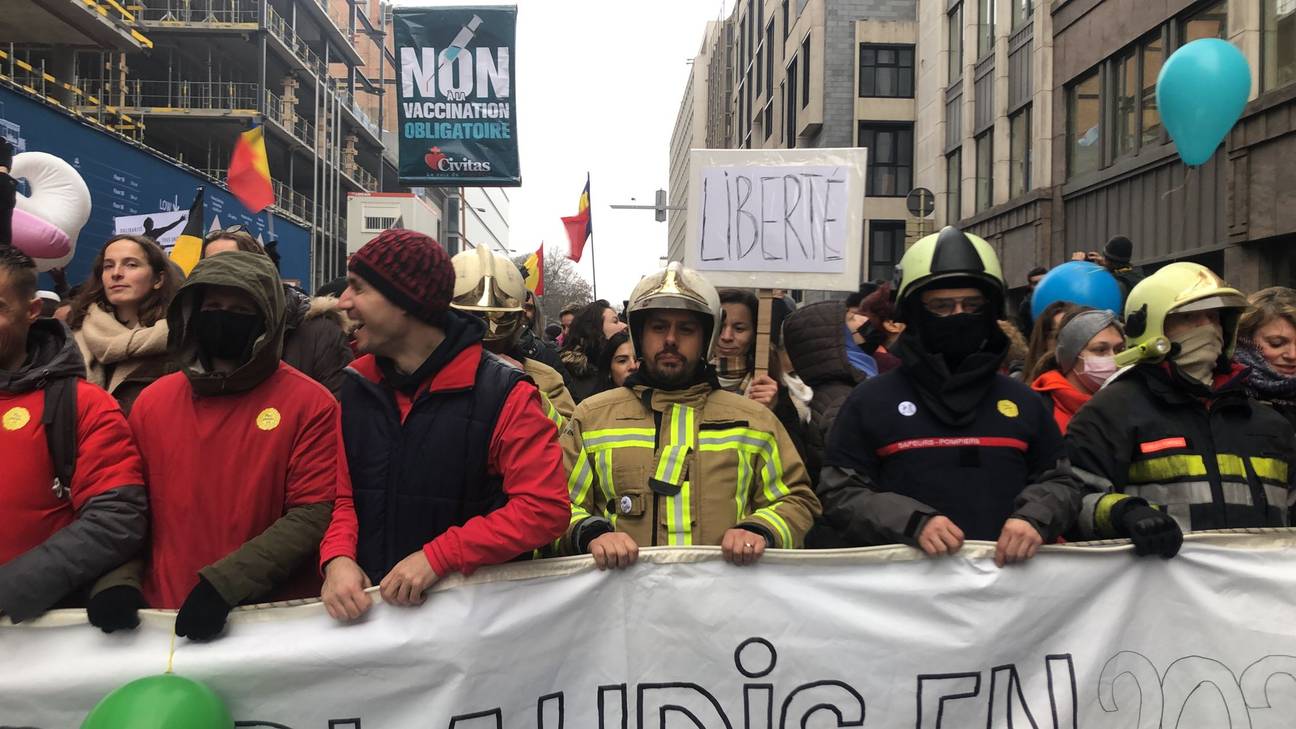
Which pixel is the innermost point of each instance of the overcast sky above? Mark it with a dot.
(599, 85)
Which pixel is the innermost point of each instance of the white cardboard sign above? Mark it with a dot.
(758, 217)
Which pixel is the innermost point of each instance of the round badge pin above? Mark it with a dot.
(268, 419)
(626, 504)
(16, 418)
(1008, 408)
(907, 409)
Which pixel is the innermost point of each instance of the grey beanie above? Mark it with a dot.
(1077, 332)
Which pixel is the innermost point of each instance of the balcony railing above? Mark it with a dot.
(299, 127)
(165, 96)
(351, 103)
(76, 99)
(280, 29)
(198, 13)
(364, 177)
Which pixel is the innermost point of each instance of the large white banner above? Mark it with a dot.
(1079, 637)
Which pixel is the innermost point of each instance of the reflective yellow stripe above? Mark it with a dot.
(552, 413)
(603, 472)
(779, 524)
(597, 440)
(742, 485)
(1270, 469)
(679, 429)
(580, 481)
(1231, 465)
(1102, 513)
(1167, 468)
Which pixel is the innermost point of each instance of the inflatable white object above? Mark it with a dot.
(46, 224)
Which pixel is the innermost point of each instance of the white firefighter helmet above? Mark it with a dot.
(490, 286)
(676, 287)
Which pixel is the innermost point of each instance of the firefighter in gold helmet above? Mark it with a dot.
(672, 459)
(1173, 442)
(944, 447)
(490, 287)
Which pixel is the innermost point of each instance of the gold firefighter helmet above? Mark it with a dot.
(676, 287)
(490, 286)
(1176, 288)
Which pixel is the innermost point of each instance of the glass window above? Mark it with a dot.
(805, 72)
(1021, 12)
(886, 248)
(769, 119)
(985, 170)
(1209, 22)
(1126, 103)
(954, 187)
(1084, 151)
(985, 27)
(790, 120)
(890, 158)
(1019, 153)
(757, 67)
(886, 71)
(1278, 43)
(787, 25)
(954, 30)
(769, 59)
(1153, 52)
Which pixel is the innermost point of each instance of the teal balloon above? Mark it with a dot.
(1201, 92)
(160, 702)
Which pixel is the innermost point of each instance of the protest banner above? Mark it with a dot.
(1078, 638)
(763, 218)
(457, 102)
(163, 226)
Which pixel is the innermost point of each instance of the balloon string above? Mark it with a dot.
(171, 653)
(1187, 178)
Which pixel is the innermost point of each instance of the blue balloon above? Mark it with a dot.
(1078, 282)
(1201, 92)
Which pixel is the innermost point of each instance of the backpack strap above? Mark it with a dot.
(60, 421)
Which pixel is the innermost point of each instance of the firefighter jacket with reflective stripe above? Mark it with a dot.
(1216, 460)
(892, 464)
(681, 467)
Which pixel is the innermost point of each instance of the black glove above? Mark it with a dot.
(116, 608)
(1152, 531)
(202, 616)
(6, 154)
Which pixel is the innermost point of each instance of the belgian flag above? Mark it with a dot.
(579, 226)
(188, 247)
(535, 271)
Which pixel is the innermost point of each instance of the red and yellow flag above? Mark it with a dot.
(249, 171)
(535, 271)
(579, 226)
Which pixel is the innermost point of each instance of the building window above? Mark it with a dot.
(1125, 104)
(886, 71)
(790, 118)
(1278, 44)
(1019, 153)
(769, 119)
(954, 29)
(1022, 11)
(1084, 151)
(886, 248)
(954, 186)
(757, 68)
(985, 170)
(890, 158)
(769, 60)
(1152, 54)
(805, 72)
(1209, 22)
(985, 27)
(787, 24)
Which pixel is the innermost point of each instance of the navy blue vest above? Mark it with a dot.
(414, 481)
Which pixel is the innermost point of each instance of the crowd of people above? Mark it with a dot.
(197, 442)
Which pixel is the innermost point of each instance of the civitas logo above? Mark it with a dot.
(439, 161)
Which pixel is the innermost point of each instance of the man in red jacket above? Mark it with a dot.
(59, 533)
(452, 461)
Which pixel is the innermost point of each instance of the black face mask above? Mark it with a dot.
(873, 336)
(955, 336)
(227, 335)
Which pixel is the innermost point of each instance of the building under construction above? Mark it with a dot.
(184, 77)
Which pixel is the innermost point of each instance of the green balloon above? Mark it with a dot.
(160, 702)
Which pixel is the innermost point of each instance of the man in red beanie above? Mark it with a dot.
(453, 463)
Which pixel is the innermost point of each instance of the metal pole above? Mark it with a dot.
(317, 104)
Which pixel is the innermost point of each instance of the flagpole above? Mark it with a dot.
(589, 211)
(593, 261)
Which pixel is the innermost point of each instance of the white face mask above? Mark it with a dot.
(1094, 371)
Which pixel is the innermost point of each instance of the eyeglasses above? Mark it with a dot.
(947, 306)
(213, 235)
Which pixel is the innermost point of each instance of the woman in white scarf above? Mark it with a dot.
(119, 317)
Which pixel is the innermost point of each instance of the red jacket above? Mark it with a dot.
(1066, 399)
(222, 469)
(106, 459)
(523, 451)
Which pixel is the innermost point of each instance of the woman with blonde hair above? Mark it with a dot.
(1267, 344)
(119, 317)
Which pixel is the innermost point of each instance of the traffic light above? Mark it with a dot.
(659, 206)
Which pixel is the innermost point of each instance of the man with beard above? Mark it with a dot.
(944, 447)
(672, 459)
(1176, 429)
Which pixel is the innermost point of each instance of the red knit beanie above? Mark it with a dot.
(412, 270)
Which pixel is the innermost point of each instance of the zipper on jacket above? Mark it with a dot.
(657, 421)
(1213, 472)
